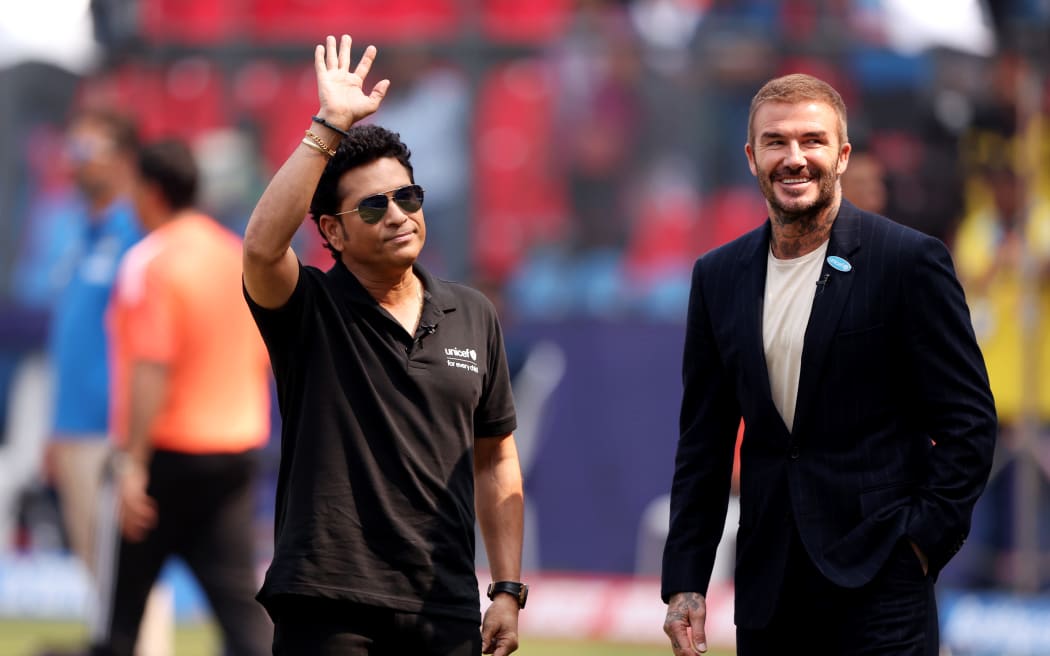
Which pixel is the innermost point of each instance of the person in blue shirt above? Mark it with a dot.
(100, 148)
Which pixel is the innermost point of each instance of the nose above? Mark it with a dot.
(394, 213)
(795, 157)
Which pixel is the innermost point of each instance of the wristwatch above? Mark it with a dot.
(517, 589)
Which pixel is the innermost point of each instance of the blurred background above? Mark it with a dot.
(578, 155)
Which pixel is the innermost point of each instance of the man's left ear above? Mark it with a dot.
(844, 157)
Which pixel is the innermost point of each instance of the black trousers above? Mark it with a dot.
(205, 507)
(306, 626)
(896, 613)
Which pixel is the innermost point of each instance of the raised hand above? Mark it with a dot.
(340, 90)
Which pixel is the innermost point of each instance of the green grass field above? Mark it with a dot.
(28, 638)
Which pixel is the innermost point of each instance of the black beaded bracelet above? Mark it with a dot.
(321, 121)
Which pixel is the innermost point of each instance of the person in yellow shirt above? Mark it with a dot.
(993, 246)
(1002, 252)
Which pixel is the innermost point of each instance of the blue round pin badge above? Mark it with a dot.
(839, 263)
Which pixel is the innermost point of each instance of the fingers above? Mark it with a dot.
(133, 531)
(500, 645)
(684, 624)
(130, 531)
(319, 65)
(338, 88)
(699, 641)
(144, 511)
(138, 513)
(505, 648)
(499, 632)
(138, 519)
(365, 64)
(488, 631)
(344, 52)
(333, 56)
(331, 53)
(679, 636)
(329, 57)
(379, 91)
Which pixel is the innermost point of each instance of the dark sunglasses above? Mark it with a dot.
(373, 208)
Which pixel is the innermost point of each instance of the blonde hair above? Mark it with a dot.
(798, 87)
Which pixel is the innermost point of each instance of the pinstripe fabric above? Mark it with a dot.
(889, 366)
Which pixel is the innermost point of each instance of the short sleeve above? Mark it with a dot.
(282, 328)
(147, 303)
(495, 416)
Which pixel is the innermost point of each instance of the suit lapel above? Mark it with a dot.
(828, 304)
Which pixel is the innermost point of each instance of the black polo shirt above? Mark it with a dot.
(375, 494)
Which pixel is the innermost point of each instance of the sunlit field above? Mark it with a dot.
(30, 638)
(535, 647)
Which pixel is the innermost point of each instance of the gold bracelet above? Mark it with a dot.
(324, 152)
(316, 147)
(322, 146)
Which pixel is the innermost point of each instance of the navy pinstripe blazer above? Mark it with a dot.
(894, 423)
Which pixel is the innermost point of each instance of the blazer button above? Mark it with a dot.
(793, 452)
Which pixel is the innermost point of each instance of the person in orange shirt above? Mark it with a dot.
(190, 408)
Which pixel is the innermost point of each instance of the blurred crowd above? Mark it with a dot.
(577, 156)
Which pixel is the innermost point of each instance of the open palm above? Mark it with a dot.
(340, 90)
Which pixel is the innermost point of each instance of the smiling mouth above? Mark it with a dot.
(794, 181)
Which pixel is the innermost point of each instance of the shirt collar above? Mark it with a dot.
(438, 292)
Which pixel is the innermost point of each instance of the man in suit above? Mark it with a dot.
(844, 342)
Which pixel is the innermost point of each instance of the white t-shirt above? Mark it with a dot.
(790, 288)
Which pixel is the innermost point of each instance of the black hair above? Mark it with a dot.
(366, 144)
(169, 164)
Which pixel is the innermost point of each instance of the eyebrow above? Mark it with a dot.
(822, 134)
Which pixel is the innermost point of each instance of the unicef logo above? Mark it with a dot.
(462, 358)
(462, 353)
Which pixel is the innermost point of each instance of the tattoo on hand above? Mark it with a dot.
(687, 602)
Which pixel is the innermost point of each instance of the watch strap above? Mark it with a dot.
(516, 589)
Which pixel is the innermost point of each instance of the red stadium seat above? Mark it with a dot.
(518, 198)
(196, 22)
(661, 239)
(728, 214)
(182, 99)
(280, 99)
(524, 22)
(385, 20)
